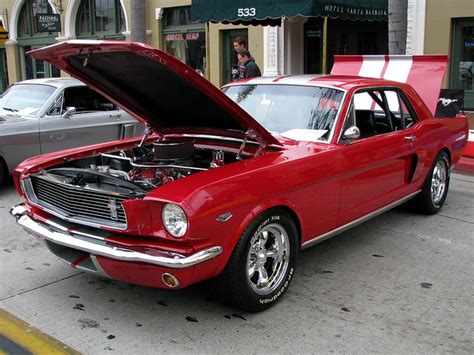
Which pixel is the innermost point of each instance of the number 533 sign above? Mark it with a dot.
(247, 11)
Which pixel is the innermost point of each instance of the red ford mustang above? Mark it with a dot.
(230, 184)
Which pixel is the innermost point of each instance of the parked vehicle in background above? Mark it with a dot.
(45, 115)
(233, 183)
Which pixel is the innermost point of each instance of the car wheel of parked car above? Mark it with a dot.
(262, 265)
(435, 189)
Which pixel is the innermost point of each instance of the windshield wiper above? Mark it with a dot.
(9, 109)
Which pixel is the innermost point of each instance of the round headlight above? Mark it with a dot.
(174, 220)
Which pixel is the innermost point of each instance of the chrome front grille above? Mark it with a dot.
(80, 204)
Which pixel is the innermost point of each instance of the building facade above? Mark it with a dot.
(301, 44)
(446, 27)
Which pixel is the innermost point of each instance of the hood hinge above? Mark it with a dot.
(148, 131)
(251, 134)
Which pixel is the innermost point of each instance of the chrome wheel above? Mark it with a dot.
(438, 182)
(268, 258)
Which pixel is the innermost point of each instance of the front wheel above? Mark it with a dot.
(262, 264)
(435, 189)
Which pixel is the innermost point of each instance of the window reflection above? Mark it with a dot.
(297, 112)
(184, 39)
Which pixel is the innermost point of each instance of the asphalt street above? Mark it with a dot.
(400, 283)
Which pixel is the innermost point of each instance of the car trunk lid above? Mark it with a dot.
(423, 72)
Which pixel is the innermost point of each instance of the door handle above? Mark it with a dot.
(410, 138)
(116, 115)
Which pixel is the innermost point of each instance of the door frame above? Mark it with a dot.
(227, 52)
(457, 25)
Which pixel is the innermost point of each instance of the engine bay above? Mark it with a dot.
(141, 168)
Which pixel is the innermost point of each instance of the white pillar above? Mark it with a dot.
(416, 14)
(271, 51)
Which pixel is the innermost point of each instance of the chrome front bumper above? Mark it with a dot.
(94, 242)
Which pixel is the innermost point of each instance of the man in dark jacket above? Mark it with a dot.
(251, 68)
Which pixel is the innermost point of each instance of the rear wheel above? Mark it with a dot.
(262, 264)
(435, 189)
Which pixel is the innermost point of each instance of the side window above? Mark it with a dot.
(56, 107)
(370, 114)
(409, 115)
(85, 100)
(350, 118)
(380, 111)
(402, 114)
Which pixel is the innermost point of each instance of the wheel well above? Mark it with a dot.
(3, 165)
(447, 151)
(294, 217)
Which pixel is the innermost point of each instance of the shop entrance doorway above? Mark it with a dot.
(313, 44)
(229, 56)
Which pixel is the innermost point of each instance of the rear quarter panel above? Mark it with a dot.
(435, 134)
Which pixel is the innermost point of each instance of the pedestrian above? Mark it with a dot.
(251, 69)
(238, 69)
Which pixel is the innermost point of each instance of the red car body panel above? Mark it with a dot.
(324, 186)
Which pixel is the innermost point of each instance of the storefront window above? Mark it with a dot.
(183, 39)
(462, 70)
(178, 16)
(27, 23)
(30, 38)
(33, 68)
(100, 18)
(356, 37)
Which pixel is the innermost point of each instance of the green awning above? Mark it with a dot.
(269, 12)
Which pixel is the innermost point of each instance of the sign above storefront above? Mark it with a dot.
(190, 36)
(265, 12)
(48, 23)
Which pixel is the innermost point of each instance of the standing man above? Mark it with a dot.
(239, 44)
(251, 69)
(238, 70)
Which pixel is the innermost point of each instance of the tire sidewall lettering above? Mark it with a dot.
(280, 291)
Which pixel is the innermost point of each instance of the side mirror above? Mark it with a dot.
(351, 133)
(69, 111)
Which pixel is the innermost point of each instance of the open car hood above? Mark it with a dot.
(423, 72)
(154, 87)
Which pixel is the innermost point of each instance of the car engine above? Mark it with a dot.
(141, 168)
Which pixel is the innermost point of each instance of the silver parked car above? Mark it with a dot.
(44, 115)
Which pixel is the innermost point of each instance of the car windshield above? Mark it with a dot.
(305, 113)
(25, 99)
